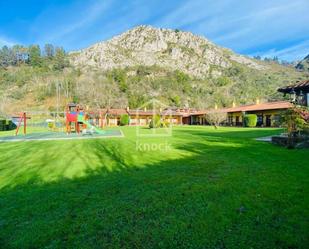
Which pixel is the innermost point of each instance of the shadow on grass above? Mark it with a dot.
(221, 195)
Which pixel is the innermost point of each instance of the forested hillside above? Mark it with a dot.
(176, 67)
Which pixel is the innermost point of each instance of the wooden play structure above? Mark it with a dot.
(72, 113)
(77, 120)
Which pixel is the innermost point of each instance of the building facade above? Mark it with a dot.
(299, 92)
(268, 114)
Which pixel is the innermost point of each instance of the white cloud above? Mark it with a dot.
(72, 20)
(6, 42)
(278, 23)
(244, 26)
(296, 52)
(193, 12)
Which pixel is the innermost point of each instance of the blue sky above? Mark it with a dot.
(266, 27)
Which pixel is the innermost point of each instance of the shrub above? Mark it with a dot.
(250, 120)
(155, 122)
(124, 119)
(165, 124)
(51, 125)
(295, 120)
(7, 125)
(223, 81)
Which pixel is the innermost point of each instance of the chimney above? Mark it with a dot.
(234, 104)
(145, 109)
(128, 109)
(257, 101)
(216, 107)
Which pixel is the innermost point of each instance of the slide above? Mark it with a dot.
(90, 126)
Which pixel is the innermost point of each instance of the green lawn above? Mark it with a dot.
(205, 188)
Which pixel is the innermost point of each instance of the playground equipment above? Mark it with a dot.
(77, 119)
(22, 119)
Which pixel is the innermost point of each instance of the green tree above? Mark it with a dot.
(35, 58)
(176, 100)
(119, 76)
(60, 60)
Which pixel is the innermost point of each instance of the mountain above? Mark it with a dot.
(303, 65)
(178, 68)
(172, 49)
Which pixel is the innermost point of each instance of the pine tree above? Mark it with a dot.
(60, 59)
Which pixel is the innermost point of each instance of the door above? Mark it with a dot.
(259, 120)
(230, 120)
(268, 120)
(237, 121)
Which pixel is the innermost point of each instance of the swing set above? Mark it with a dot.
(22, 119)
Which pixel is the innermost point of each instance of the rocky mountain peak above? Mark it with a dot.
(174, 49)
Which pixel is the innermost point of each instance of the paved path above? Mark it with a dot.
(49, 136)
(264, 139)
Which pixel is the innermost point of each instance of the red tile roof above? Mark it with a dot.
(260, 107)
(117, 111)
(142, 112)
(197, 113)
(153, 112)
(245, 108)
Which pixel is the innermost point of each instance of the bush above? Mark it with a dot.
(250, 120)
(223, 81)
(155, 122)
(7, 125)
(124, 119)
(165, 124)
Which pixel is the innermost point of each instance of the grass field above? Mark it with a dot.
(203, 188)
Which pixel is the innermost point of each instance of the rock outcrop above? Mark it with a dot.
(146, 45)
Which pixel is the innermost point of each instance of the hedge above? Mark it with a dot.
(7, 125)
(124, 119)
(250, 120)
(155, 122)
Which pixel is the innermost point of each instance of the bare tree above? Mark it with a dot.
(98, 91)
(216, 117)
